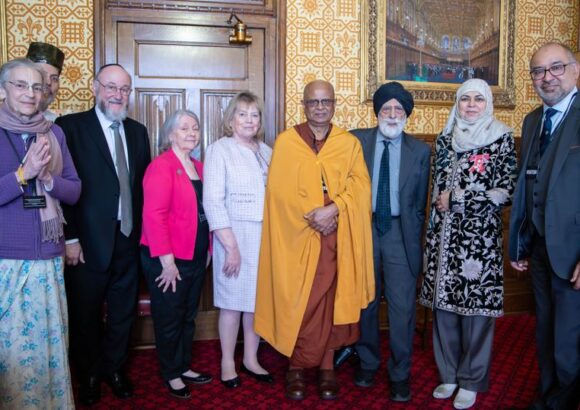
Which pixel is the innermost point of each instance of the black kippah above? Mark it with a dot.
(45, 53)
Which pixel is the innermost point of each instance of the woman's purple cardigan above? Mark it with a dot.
(20, 229)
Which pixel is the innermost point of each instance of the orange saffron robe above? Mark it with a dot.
(290, 249)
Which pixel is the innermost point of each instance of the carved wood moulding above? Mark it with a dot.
(254, 7)
(156, 106)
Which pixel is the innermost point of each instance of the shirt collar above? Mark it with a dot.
(562, 106)
(105, 122)
(395, 142)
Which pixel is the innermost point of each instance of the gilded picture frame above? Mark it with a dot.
(374, 59)
(3, 36)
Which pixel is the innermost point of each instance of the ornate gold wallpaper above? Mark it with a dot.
(68, 24)
(323, 41)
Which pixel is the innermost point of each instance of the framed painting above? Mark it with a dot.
(432, 46)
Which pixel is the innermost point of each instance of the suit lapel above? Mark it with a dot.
(568, 131)
(131, 140)
(99, 139)
(368, 144)
(532, 134)
(407, 161)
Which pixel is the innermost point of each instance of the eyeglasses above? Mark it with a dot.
(386, 111)
(22, 87)
(326, 102)
(113, 89)
(556, 70)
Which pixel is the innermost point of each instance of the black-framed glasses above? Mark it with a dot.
(22, 87)
(325, 102)
(556, 70)
(113, 89)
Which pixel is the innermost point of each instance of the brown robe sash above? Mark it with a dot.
(318, 335)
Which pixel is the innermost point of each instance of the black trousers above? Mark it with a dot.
(174, 313)
(99, 347)
(557, 331)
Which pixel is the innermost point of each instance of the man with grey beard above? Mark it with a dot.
(110, 152)
(399, 167)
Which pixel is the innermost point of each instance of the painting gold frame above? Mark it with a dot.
(3, 37)
(373, 56)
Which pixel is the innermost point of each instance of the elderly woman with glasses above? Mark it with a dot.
(36, 175)
(473, 179)
(175, 245)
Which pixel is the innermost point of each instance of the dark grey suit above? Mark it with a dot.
(398, 258)
(553, 255)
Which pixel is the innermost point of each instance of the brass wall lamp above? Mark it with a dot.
(239, 32)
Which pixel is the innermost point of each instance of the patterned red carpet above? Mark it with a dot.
(514, 377)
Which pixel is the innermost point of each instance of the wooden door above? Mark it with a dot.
(187, 66)
(184, 60)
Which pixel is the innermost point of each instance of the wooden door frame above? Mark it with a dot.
(274, 88)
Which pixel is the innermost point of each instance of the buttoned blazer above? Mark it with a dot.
(413, 188)
(562, 207)
(93, 220)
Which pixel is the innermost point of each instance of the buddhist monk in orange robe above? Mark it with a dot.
(316, 265)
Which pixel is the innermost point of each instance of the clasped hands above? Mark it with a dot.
(37, 160)
(323, 219)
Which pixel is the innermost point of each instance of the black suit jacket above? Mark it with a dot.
(93, 220)
(562, 213)
(413, 188)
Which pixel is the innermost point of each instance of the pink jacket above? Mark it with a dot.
(170, 207)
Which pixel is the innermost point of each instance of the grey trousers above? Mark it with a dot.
(462, 347)
(392, 270)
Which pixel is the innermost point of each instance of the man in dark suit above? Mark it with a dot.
(545, 222)
(110, 152)
(399, 168)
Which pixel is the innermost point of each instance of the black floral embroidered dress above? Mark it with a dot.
(463, 251)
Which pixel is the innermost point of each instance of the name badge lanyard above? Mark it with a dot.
(31, 187)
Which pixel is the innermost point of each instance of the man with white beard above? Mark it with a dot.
(399, 167)
(111, 153)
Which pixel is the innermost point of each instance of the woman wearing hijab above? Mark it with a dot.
(473, 179)
(36, 174)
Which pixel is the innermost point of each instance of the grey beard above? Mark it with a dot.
(390, 132)
(120, 116)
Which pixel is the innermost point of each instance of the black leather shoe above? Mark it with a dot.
(364, 378)
(90, 391)
(342, 355)
(182, 393)
(400, 391)
(264, 378)
(120, 385)
(232, 383)
(201, 379)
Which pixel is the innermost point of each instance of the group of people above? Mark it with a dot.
(304, 239)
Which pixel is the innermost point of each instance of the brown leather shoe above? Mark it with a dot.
(295, 384)
(327, 384)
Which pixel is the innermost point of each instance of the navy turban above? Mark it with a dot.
(387, 92)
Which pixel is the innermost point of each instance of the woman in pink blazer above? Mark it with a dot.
(175, 247)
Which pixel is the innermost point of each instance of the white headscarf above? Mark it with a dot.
(469, 135)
